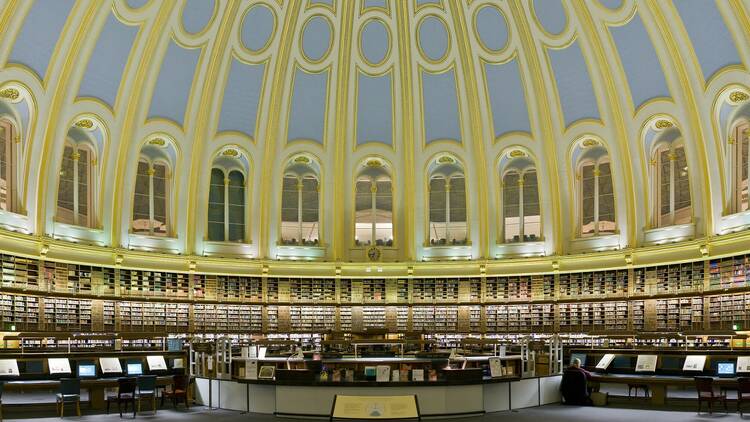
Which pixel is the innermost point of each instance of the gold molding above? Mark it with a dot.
(738, 97)
(85, 124)
(10, 93)
(663, 124)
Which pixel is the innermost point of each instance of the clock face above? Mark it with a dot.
(373, 253)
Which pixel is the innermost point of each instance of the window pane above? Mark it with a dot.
(289, 200)
(683, 203)
(236, 207)
(384, 214)
(216, 206)
(84, 167)
(458, 199)
(531, 210)
(140, 200)
(511, 207)
(664, 180)
(744, 145)
(606, 200)
(587, 199)
(5, 143)
(310, 210)
(65, 189)
(160, 200)
(437, 200)
(363, 217)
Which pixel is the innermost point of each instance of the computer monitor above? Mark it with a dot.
(135, 368)
(581, 356)
(725, 369)
(86, 370)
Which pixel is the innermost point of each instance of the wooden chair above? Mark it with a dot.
(743, 392)
(179, 391)
(70, 392)
(125, 394)
(147, 389)
(705, 388)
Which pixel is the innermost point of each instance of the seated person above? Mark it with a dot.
(574, 386)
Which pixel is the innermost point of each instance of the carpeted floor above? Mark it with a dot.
(552, 413)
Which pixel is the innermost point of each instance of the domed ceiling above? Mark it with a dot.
(341, 82)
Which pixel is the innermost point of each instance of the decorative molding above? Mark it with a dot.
(446, 160)
(374, 163)
(663, 124)
(160, 142)
(516, 153)
(302, 160)
(738, 97)
(589, 142)
(10, 93)
(85, 124)
(231, 152)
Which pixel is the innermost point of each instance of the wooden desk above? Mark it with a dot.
(95, 387)
(657, 383)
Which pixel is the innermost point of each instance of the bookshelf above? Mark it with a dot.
(705, 295)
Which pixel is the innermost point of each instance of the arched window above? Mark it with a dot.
(75, 188)
(739, 140)
(300, 222)
(521, 213)
(596, 198)
(150, 201)
(7, 165)
(447, 203)
(226, 206)
(373, 206)
(670, 186)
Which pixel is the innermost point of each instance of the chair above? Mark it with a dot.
(125, 394)
(574, 388)
(636, 387)
(179, 390)
(743, 392)
(705, 388)
(70, 392)
(147, 389)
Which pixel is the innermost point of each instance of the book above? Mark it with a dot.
(433, 374)
(349, 375)
(417, 375)
(395, 375)
(496, 367)
(336, 375)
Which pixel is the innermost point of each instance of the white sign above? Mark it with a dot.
(694, 363)
(178, 363)
(156, 363)
(417, 375)
(110, 365)
(9, 368)
(262, 352)
(251, 369)
(383, 373)
(743, 364)
(375, 407)
(646, 363)
(605, 361)
(496, 367)
(58, 366)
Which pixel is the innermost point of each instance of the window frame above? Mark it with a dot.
(91, 217)
(13, 138)
(605, 159)
(167, 197)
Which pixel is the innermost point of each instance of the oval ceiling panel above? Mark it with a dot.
(316, 38)
(375, 42)
(492, 28)
(433, 38)
(257, 27)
